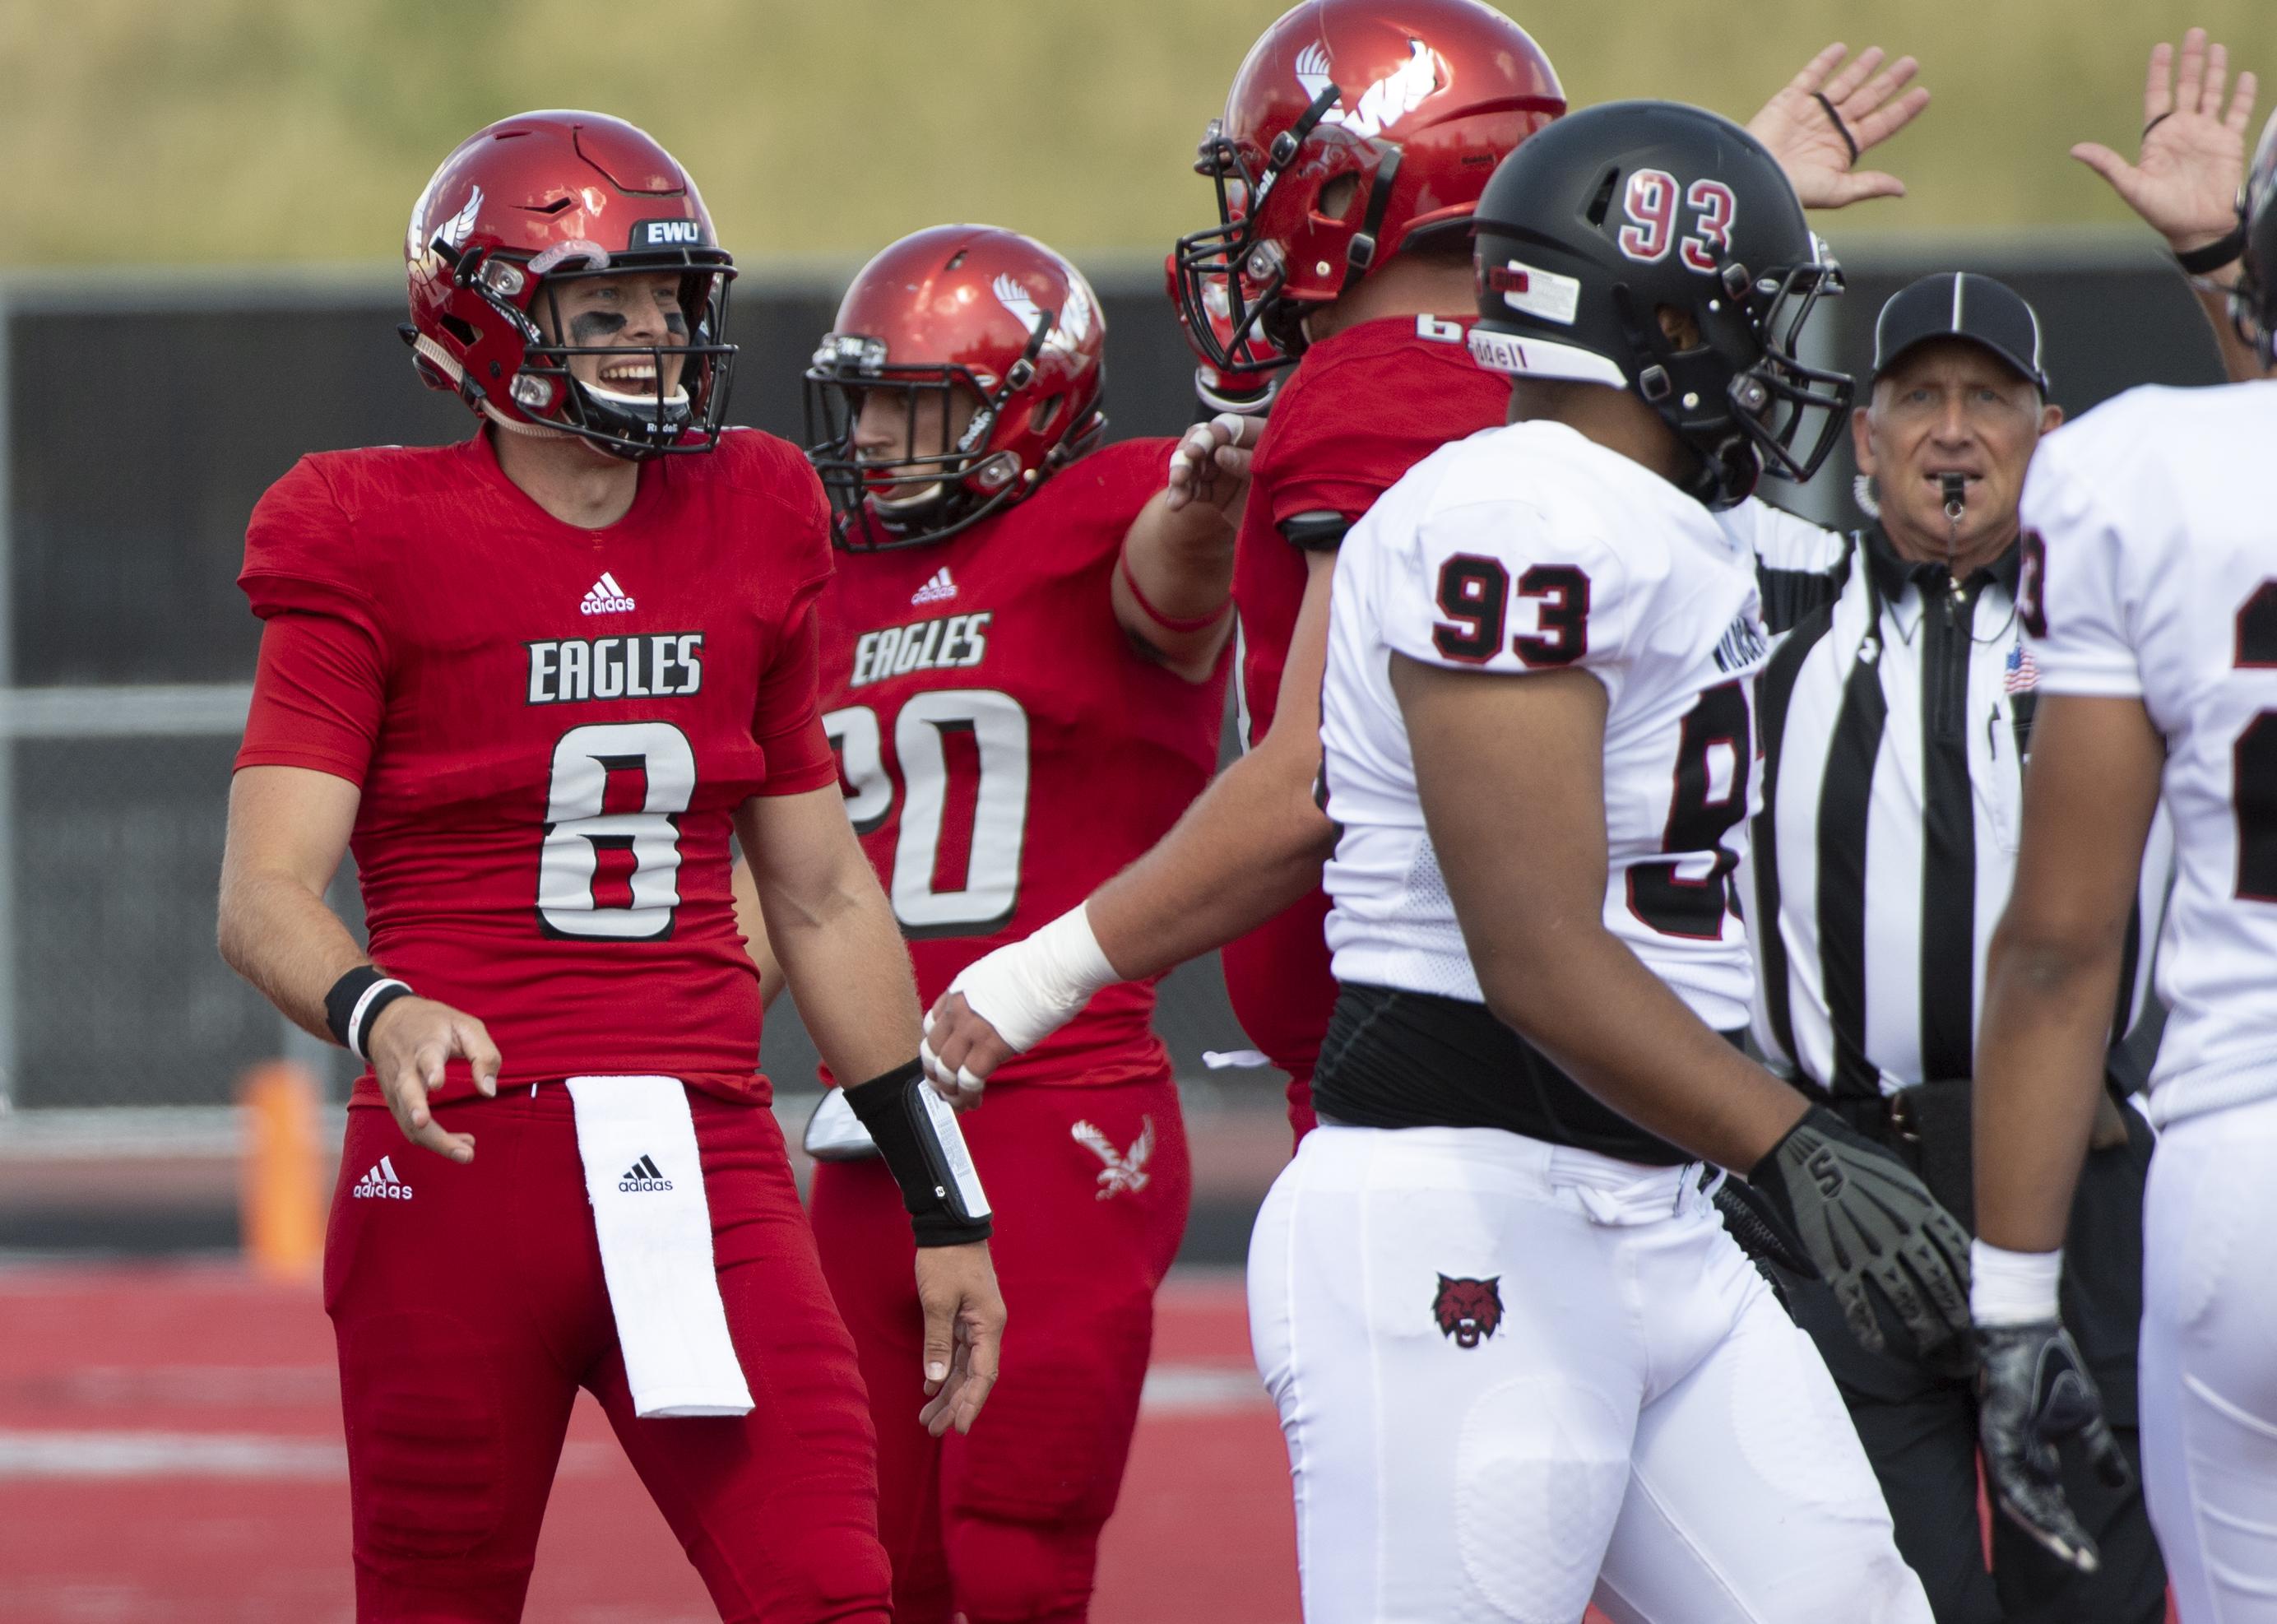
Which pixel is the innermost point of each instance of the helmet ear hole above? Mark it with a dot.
(461, 330)
(1602, 199)
(1045, 413)
(1334, 200)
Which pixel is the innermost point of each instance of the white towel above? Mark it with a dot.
(637, 1141)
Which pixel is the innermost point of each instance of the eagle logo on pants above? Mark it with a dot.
(1125, 1172)
(1467, 1310)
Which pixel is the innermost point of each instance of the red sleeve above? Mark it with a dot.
(317, 698)
(788, 722)
(1324, 453)
(300, 553)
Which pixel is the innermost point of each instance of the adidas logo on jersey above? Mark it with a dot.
(381, 1184)
(644, 1176)
(606, 598)
(939, 589)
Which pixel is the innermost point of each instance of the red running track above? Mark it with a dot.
(169, 1450)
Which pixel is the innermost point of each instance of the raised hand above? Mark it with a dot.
(2184, 180)
(1823, 121)
(1211, 464)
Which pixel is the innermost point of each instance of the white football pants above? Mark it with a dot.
(2208, 1375)
(1643, 1425)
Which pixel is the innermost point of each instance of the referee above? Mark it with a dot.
(1896, 715)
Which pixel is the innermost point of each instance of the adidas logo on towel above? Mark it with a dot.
(606, 598)
(940, 589)
(382, 1184)
(644, 1175)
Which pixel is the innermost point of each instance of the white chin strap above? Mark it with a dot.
(1507, 352)
(446, 363)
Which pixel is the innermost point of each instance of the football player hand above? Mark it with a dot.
(1007, 1002)
(1867, 1221)
(1810, 145)
(2184, 180)
(963, 1333)
(1211, 464)
(411, 1041)
(2032, 1394)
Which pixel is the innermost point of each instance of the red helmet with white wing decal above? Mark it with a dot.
(527, 205)
(1352, 128)
(958, 313)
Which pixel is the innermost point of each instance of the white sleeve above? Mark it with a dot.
(2072, 589)
(1489, 586)
(1782, 541)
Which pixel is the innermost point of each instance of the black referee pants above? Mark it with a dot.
(1919, 1432)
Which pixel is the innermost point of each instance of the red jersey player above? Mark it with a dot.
(534, 679)
(1356, 140)
(1022, 672)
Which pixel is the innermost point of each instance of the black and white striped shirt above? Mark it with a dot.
(1894, 714)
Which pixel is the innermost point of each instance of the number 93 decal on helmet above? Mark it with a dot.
(564, 279)
(1659, 248)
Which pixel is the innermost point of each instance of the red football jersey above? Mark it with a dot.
(1004, 748)
(1362, 408)
(553, 727)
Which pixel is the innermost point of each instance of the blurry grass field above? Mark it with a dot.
(243, 130)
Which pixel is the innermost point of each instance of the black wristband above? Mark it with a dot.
(926, 1154)
(2222, 251)
(355, 1002)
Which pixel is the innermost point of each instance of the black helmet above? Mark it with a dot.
(1599, 221)
(2253, 301)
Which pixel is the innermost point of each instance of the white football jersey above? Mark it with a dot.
(2151, 553)
(1532, 548)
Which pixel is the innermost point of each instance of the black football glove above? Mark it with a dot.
(1865, 1220)
(2033, 1392)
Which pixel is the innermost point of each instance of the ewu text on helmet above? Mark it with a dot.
(519, 213)
(1354, 129)
(964, 368)
(1659, 248)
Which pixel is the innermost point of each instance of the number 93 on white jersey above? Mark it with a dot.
(1530, 548)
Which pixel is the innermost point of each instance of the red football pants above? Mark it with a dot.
(471, 1309)
(1090, 1188)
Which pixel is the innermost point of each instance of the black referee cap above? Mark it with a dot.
(1959, 304)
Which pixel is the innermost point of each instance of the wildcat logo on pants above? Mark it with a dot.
(1469, 1310)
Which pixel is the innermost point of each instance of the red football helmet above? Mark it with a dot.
(531, 202)
(972, 309)
(1403, 107)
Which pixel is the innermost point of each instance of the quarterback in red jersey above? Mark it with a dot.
(1023, 663)
(535, 679)
(1355, 142)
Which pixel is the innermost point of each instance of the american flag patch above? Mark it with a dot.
(2023, 672)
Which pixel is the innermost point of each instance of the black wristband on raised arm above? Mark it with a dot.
(354, 1004)
(918, 1136)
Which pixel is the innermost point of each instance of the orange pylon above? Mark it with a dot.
(280, 1183)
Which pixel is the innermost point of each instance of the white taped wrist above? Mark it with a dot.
(1029, 990)
(2012, 1288)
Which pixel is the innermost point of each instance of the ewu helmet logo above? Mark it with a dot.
(667, 234)
(644, 1176)
(1467, 1310)
(1070, 326)
(1384, 103)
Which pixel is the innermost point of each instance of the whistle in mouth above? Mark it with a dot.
(1956, 497)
